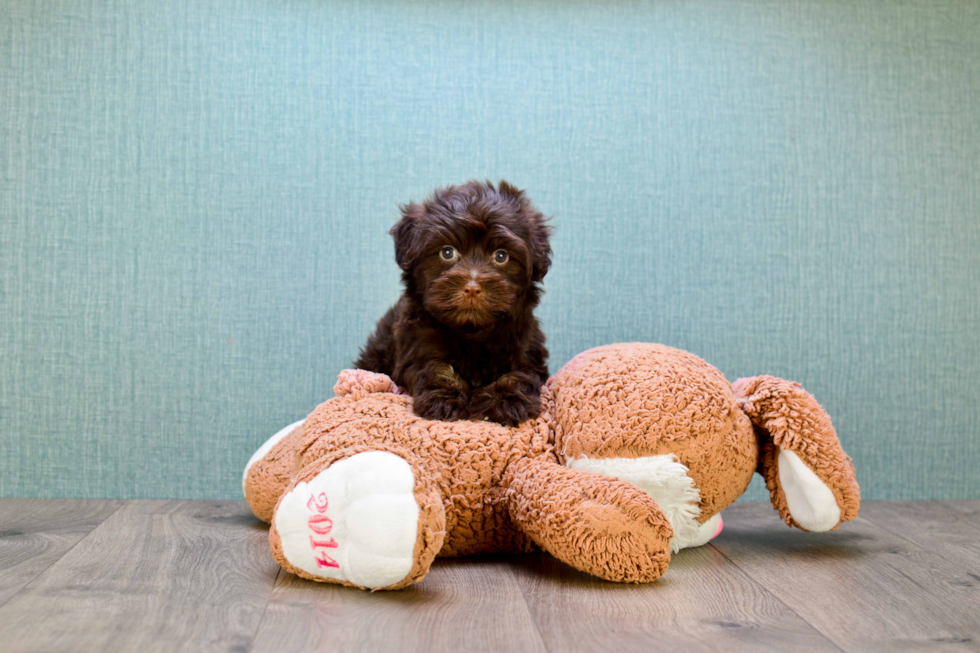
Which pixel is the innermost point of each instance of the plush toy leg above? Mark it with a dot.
(602, 526)
(810, 479)
(670, 485)
(270, 469)
(268, 472)
(363, 518)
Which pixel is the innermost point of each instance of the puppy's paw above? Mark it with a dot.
(443, 404)
(509, 410)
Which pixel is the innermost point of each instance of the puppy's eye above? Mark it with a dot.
(447, 253)
(500, 257)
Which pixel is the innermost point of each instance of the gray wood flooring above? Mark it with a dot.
(90, 575)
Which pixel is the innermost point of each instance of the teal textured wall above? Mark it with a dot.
(195, 198)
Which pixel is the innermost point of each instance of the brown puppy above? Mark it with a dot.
(463, 339)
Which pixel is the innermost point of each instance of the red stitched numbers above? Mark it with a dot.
(321, 525)
(320, 503)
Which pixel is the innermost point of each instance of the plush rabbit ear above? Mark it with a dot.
(810, 479)
(357, 383)
(408, 236)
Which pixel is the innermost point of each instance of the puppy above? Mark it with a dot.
(463, 339)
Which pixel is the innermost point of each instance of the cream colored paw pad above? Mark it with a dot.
(356, 521)
(810, 501)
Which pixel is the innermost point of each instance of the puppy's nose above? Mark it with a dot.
(472, 289)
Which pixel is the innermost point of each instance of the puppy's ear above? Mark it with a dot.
(508, 189)
(540, 234)
(408, 236)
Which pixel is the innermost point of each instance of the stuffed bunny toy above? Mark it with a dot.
(637, 450)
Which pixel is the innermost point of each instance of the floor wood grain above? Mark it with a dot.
(155, 576)
(863, 587)
(702, 603)
(35, 533)
(934, 525)
(148, 576)
(464, 604)
(970, 507)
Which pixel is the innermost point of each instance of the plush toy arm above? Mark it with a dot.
(810, 479)
(599, 525)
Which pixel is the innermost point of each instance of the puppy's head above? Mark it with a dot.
(473, 254)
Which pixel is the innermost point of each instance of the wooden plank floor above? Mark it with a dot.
(81, 575)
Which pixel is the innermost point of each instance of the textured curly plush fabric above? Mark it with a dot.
(266, 480)
(607, 528)
(481, 487)
(635, 400)
(431, 522)
(787, 417)
(464, 460)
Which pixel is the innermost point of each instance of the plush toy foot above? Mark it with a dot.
(362, 521)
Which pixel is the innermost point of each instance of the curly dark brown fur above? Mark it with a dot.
(463, 339)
